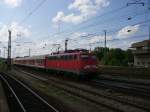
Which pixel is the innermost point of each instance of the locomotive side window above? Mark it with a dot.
(70, 57)
(94, 57)
(84, 57)
(67, 57)
(63, 57)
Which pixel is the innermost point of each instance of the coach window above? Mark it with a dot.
(70, 57)
(63, 58)
(41, 61)
(84, 57)
(58, 57)
(66, 57)
(50, 58)
(75, 57)
(53, 58)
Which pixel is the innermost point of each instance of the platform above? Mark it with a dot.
(3, 101)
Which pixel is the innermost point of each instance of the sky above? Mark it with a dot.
(43, 25)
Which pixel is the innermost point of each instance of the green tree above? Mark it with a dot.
(114, 57)
(99, 52)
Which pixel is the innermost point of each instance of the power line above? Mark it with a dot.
(90, 19)
(139, 23)
(92, 25)
(32, 11)
(116, 39)
(112, 31)
(89, 26)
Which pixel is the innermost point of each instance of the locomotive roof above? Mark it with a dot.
(67, 53)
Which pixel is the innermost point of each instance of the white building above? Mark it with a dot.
(141, 51)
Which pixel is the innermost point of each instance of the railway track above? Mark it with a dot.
(121, 101)
(132, 88)
(126, 87)
(97, 98)
(22, 98)
(116, 79)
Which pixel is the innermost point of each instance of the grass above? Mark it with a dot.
(3, 65)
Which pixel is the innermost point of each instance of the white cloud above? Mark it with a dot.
(86, 9)
(16, 29)
(71, 18)
(128, 31)
(13, 3)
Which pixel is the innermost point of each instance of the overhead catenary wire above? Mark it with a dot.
(33, 11)
(92, 24)
(91, 19)
(113, 40)
(110, 31)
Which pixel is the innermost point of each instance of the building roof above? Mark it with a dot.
(141, 44)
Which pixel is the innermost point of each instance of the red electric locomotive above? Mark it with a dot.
(79, 62)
